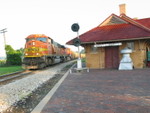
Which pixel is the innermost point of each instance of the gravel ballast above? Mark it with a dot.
(18, 90)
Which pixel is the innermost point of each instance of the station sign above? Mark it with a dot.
(108, 44)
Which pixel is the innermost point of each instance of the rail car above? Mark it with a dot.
(41, 51)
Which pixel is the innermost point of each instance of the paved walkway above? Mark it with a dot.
(102, 91)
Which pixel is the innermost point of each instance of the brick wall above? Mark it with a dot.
(97, 59)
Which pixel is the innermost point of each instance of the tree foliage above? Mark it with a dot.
(13, 56)
(9, 49)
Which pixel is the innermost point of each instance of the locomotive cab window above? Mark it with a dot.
(49, 40)
(29, 39)
(42, 39)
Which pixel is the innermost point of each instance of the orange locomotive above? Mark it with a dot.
(41, 51)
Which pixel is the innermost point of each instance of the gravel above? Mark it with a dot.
(18, 90)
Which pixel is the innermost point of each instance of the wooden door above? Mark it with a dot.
(112, 57)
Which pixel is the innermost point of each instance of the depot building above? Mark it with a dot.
(103, 43)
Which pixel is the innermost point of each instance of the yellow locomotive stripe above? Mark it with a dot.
(36, 55)
(35, 52)
(35, 49)
(33, 56)
(42, 49)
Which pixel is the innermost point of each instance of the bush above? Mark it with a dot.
(14, 59)
(83, 60)
(13, 56)
(2, 63)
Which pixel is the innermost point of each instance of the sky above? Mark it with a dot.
(55, 17)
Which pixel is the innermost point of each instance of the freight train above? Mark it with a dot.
(41, 51)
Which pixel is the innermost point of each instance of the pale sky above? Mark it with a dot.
(55, 17)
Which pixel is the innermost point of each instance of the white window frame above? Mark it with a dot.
(93, 49)
(131, 45)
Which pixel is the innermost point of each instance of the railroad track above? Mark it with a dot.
(5, 79)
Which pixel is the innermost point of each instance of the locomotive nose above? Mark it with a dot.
(32, 50)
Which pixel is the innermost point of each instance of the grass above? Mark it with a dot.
(9, 69)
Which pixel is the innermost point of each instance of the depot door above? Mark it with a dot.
(112, 57)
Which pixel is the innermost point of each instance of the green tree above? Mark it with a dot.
(13, 56)
(21, 50)
(9, 49)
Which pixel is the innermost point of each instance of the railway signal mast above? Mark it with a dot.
(75, 27)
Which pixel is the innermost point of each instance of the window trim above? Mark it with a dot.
(93, 49)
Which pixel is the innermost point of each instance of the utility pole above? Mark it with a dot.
(3, 31)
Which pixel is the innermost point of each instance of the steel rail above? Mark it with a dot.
(5, 79)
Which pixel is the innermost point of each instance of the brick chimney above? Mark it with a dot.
(122, 8)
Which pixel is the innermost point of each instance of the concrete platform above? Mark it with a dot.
(100, 91)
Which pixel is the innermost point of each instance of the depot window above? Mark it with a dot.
(130, 45)
(93, 49)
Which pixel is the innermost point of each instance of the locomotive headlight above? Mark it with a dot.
(33, 43)
(26, 54)
(37, 53)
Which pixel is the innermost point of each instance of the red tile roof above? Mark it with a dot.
(117, 32)
(145, 22)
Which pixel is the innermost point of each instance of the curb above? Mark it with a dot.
(45, 100)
